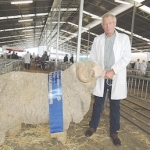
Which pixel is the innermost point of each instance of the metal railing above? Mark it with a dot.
(136, 107)
(63, 66)
(139, 87)
(138, 73)
(8, 65)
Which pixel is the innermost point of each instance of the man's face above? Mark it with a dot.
(109, 26)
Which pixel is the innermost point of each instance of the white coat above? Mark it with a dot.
(122, 53)
(143, 66)
(137, 65)
(27, 58)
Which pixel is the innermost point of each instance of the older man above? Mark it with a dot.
(112, 51)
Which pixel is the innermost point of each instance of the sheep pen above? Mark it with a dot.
(24, 97)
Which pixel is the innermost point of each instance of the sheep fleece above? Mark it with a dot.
(24, 99)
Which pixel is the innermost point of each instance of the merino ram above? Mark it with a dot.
(24, 96)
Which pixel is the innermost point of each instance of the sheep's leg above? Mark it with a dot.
(61, 136)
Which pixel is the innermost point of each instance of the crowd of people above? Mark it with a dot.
(12, 55)
(42, 61)
(139, 67)
(66, 60)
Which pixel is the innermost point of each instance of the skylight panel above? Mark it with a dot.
(145, 9)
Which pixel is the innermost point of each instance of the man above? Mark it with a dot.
(143, 67)
(72, 59)
(137, 64)
(43, 59)
(112, 51)
(137, 67)
(27, 60)
(66, 58)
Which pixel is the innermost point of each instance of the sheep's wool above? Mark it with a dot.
(24, 99)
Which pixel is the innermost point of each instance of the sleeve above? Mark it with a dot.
(93, 53)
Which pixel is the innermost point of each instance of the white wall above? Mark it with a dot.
(141, 56)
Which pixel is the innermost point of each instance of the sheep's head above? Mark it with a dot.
(88, 70)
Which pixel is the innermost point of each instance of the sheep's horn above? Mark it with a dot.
(80, 75)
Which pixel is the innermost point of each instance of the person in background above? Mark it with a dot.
(137, 64)
(137, 67)
(112, 51)
(43, 59)
(72, 59)
(143, 67)
(13, 55)
(9, 55)
(27, 60)
(16, 56)
(66, 58)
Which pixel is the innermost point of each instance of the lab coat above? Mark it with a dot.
(122, 53)
(143, 66)
(27, 58)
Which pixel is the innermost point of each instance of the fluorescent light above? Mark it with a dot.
(57, 22)
(139, 1)
(22, 2)
(92, 15)
(123, 2)
(76, 25)
(25, 20)
(27, 30)
(72, 24)
(68, 32)
(65, 9)
(145, 8)
(148, 43)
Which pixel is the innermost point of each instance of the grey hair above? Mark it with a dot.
(109, 15)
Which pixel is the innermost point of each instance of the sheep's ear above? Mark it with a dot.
(79, 73)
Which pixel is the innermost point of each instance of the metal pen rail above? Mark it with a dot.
(8, 65)
(136, 108)
(139, 87)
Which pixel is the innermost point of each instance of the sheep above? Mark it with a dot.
(24, 96)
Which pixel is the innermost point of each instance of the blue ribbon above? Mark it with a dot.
(55, 102)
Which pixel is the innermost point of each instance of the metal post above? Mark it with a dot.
(79, 30)
(133, 19)
(88, 43)
(57, 45)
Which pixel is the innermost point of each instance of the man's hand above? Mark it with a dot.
(109, 74)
